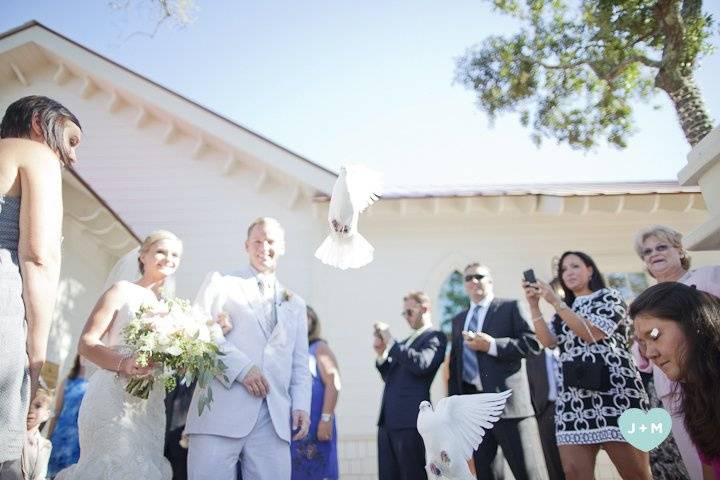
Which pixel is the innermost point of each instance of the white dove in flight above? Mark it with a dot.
(356, 188)
(455, 429)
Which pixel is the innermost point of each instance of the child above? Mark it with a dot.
(36, 451)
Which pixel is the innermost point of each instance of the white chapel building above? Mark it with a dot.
(153, 159)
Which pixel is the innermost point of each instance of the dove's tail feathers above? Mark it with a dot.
(364, 186)
(345, 252)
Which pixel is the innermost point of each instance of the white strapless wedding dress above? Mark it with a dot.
(121, 436)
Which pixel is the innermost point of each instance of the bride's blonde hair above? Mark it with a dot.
(153, 238)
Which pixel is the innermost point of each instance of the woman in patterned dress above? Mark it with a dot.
(592, 327)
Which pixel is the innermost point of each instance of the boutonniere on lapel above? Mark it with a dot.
(285, 296)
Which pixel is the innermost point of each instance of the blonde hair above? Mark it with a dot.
(150, 240)
(667, 234)
(44, 395)
(265, 221)
(419, 297)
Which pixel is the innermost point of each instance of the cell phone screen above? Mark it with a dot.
(529, 276)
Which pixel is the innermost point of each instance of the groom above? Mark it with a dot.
(268, 385)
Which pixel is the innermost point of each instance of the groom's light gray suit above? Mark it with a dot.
(238, 423)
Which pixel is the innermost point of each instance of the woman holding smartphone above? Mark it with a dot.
(597, 378)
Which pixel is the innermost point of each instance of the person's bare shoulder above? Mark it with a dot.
(117, 291)
(35, 155)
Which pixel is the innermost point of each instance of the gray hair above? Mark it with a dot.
(667, 234)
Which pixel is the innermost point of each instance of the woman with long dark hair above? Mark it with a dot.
(38, 136)
(597, 378)
(666, 260)
(679, 327)
(63, 429)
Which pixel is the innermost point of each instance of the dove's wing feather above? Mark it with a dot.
(471, 416)
(364, 185)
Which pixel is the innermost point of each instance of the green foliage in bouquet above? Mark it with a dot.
(180, 342)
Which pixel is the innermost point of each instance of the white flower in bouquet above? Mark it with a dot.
(180, 341)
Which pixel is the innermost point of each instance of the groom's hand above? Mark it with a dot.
(256, 383)
(301, 423)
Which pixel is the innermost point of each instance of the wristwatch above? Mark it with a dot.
(561, 306)
(326, 417)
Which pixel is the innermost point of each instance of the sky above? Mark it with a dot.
(367, 82)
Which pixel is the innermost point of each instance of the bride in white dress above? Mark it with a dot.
(122, 436)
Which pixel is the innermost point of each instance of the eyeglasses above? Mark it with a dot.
(659, 248)
(408, 312)
(477, 276)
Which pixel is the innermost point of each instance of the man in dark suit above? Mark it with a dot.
(407, 367)
(543, 393)
(490, 341)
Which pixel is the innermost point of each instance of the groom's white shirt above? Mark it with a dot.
(281, 355)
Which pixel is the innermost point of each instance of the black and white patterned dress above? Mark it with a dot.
(585, 416)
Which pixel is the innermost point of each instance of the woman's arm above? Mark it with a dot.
(330, 374)
(93, 349)
(575, 322)
(59, 400)
(543, 332)
(39, 247)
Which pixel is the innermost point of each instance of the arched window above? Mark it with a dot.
(451, 301)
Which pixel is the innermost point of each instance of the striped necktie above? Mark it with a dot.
(471, 369)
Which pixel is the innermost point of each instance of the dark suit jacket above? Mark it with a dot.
(515, 340)
(538, 380)
(408, 373)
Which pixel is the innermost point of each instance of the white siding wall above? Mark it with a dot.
(152, 184)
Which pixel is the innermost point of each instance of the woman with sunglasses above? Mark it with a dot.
(597, 378)
(666, 259)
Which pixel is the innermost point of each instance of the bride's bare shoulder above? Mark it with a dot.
(120, 289)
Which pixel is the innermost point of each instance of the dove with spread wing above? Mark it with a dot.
(356, 188)
(454, 429)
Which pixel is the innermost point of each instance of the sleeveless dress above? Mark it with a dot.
(583, 416)
(65, 442)
(312, 459)
(14, 374)
(121, 436)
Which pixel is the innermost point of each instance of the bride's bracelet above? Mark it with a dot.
(122, 359)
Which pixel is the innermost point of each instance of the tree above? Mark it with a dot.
(178, 12)
(575, 67)
(452, 300)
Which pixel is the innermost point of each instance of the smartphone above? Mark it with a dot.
(529, 276)
(469, 335)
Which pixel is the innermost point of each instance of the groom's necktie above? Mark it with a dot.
(471, 369)
(267, 292)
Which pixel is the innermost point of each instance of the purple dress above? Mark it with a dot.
(312, 459)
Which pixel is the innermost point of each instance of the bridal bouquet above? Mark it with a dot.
(180, 341)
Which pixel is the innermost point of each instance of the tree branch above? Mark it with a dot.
(620, 67)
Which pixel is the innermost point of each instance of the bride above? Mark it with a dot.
(122, 436)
